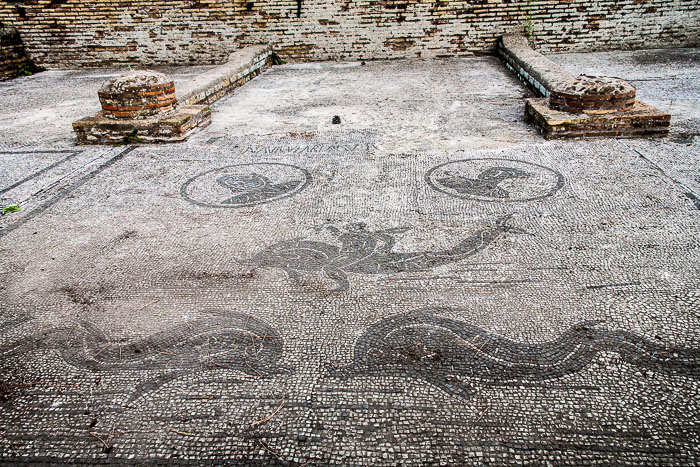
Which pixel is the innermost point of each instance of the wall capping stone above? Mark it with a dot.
(242, 66)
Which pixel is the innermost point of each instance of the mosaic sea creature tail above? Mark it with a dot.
(649, 355)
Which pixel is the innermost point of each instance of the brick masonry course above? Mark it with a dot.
(72, 33)
(640, 120)
(137, 94)
(170, 128)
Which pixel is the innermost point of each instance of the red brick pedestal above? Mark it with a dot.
(138, 94)
(579, 106)
(140, 107)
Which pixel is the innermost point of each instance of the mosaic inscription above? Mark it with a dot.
(231, 341)
(243, 185)
(362, 251)
(487, 179)
(454, 355)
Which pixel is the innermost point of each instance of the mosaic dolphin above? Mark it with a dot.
(369, 252)
(253, 187)
(486, 183)
(454, 355)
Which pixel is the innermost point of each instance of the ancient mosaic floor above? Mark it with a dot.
(427, 282)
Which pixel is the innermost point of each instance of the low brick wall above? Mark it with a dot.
(12, 54)
(642, 120)
(133, 104)
(579, 106)
(566, 92)
(173, 128)
(534, 69)
(242, 66)
(72, 33)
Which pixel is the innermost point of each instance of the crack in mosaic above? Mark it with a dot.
(455, 356)
(362, 251)
(491, 179)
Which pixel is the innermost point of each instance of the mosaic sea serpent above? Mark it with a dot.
(454, 355)
(227, 340)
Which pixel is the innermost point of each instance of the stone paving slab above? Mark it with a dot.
(385, 291)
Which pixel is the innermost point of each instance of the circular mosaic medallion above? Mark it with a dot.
(241, 185)
(488, 179)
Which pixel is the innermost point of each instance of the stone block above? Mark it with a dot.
(164, 128)
(641, 120)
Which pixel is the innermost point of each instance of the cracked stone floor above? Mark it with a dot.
(427, 282)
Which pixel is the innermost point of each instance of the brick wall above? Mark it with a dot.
(12, 54)
(61, 33)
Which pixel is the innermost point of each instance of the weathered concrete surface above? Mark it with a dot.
(412, 105)
(428, 281)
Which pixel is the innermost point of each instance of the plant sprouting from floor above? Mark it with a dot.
(276, 60)
(10, 208)
(24, 69)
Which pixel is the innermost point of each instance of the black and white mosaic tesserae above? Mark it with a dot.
(314, 300)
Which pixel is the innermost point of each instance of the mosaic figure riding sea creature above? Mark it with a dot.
(485, 184)
(253, 187)
(362, 251)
